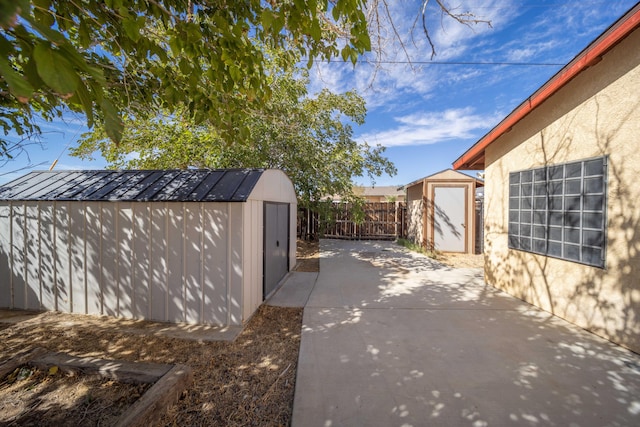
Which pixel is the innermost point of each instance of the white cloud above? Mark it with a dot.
(432, 127)
(385, 84)
(330, 76)
(528, 51)
(381, 87)
(134, 155)
(520, 55)
(552, 37)
(453, 39)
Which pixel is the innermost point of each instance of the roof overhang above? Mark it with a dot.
(474, 157)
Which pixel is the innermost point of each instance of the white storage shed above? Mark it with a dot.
(192, 246)
(442, 212)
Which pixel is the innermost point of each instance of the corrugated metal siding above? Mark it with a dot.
(228, 185)
(176, 262)
(253, 238)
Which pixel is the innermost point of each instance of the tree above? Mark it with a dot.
(202, 57)
(308, 137)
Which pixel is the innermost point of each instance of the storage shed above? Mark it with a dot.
(441, 211)
(192, 246)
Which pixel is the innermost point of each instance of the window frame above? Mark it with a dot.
(560, 211)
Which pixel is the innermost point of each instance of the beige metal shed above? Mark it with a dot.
(441, 211)
(192, 246)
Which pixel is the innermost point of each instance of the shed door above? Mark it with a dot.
(276, 244)
(449, 218)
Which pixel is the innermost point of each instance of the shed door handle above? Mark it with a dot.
(278, 243)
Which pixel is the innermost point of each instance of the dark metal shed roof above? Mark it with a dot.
(214, 185)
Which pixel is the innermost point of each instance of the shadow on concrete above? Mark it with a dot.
(387, 344)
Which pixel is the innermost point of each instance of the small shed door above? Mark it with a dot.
(449, 218)
(276, 244)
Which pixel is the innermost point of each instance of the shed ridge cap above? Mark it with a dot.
(421, 180)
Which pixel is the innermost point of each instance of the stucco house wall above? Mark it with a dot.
(595, 114)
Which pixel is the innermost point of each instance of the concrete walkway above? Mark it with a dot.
(295, 290)
(391, 338)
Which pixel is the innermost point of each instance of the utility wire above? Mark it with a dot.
(540, 6)
(29, 166)
(55, 162)
(520, 64)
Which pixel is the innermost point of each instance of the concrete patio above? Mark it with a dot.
(392, 338)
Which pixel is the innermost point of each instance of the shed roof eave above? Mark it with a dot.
(421, 181)
(473, 158)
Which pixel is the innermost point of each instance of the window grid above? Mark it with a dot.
(559, 211)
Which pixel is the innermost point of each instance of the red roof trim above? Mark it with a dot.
(590, 56)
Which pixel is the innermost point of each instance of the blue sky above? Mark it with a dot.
(429, 115)
(426, 114)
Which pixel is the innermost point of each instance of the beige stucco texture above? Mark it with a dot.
(596, 114)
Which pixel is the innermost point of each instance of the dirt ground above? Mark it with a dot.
(308, 255)
(51, 398)
(455, 260)
(249, 381)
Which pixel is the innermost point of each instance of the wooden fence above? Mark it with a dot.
(382, 221)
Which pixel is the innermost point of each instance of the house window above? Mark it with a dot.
(559, 211)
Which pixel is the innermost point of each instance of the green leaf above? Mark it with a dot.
(44, 16)
(235, 73)
(31, 74)
(9, 10)
(52, 35)
(315, 31)
(336, 11)
(18, 85)
(278, 24)
(76, 60)
(55, 70)
(83, 35)
(83, 97)
(113, 125)
(267, 19)
(6, 47)
(131, 28)
(42, 4)
(346, 52)
(184, 66)
(175, 45)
